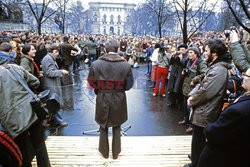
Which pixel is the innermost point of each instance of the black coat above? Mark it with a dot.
(228, 139)
(175, 79)
(65, 53)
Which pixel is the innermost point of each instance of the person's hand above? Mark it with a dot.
(234, 37)
(65, 72)
(188, 101)
(192, 83)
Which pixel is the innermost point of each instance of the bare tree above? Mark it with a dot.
(240, 11)
(39, 12)
(61, 4)
(74, 12)
(192, 20)
(161, 8)
(140, 24)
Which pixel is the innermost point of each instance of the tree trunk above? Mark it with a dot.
(185, 31)
(159, 28)
(39, 27)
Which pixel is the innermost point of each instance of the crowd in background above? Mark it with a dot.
(173, 68)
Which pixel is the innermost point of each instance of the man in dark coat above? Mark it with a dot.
(110, 76)
(228, 139)
(175, 76)
(65, 53)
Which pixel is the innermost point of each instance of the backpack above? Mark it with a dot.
(234, 88)
(10, 154)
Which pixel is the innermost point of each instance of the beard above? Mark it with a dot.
(209, 58)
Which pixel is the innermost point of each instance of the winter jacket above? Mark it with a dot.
(16, 114)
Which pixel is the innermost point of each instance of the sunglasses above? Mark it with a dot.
(245, 75)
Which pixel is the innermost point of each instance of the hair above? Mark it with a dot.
(157, 45)
(65, 39)
(26, 48)
(53, 47)
(5, 46)
(219, 47)
(112, 46)
(182, 46)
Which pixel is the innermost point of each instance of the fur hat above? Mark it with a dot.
(195, 49)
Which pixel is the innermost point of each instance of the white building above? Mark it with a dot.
(111, 17)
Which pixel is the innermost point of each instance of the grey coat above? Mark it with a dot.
(208, 96)
(51, 75)
(16, 114)
(111, 76)
(241, 56)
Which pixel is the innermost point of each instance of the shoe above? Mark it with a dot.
(163, 95)
(189, 156)
(115, 156)
(183, 122)
(187, 165)
(154, 94)
(59, 124)
(189, 130)
(106, 156)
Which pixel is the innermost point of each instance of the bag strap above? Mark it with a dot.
(14, 73)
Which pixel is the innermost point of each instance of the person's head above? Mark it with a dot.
(6, 47)
(246, 80)
(54, 50)
(157, 45)
(182, 48)
(29, 50)
(65, 39)
(193, 53)
(23, 37)
(216, 49)
(112, 46)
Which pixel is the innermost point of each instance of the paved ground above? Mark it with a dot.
(148, 115)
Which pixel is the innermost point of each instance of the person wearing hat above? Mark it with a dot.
(194, 68)
(110, 76)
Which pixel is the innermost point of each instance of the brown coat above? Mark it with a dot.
(110, 76)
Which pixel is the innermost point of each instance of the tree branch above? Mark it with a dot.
(236, 17)
(245, 9)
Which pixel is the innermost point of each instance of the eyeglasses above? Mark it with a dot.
(245, 75)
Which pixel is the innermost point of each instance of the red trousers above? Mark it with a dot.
(161, 76)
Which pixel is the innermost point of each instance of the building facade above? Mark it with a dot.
(111, 18)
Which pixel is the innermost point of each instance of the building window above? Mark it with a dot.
(95, 18)
(104, 30)
(104, 19)
(119, 31)
(119, 19)
(127, 19)
(111, 19)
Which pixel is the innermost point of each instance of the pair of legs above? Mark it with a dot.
(198, 144)
(104, 143)
(186, 111)
(161, 78)
(31, 143)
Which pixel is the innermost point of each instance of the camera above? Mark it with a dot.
(186, 71)
(227, 32)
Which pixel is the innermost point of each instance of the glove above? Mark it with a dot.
(234, 37)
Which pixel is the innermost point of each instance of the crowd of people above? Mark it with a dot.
(200, 78)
